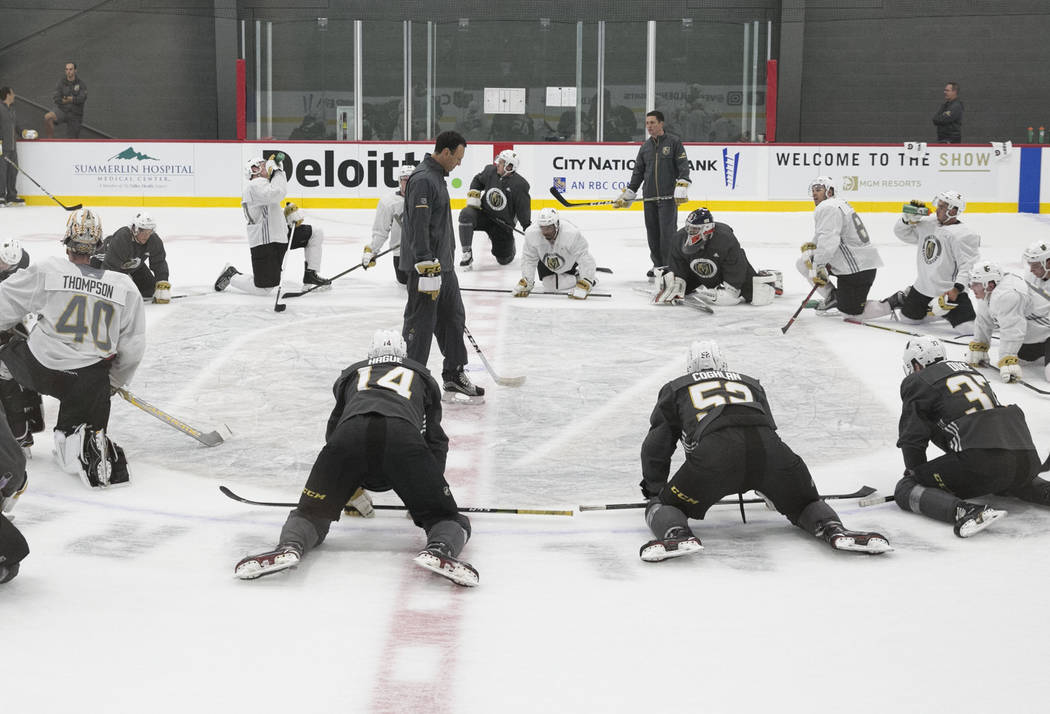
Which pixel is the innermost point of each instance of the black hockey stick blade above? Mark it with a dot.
(600, 269)
(279, 306)
(862, 492)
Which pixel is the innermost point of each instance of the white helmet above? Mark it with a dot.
(249, 168)
(510, 160)
(143, 220)
(954, 200)
(387, 343)
(405, 171)
(705, 354)
(11, 252)
(826, 181)
(922, 350)
(548, 217)
(1038, 252)
(83, 232)
(985, 272)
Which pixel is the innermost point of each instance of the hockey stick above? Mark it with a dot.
(854, 321)
(578, 204)
(785, 328)
(500, 290)
(503, 381)
(75, 207)
(212, 438)
(514, 511)
(287, 296)
(688, 301)
(862, 492)
(1021, 382)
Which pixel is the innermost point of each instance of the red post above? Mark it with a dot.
(242, 88)
(771, 100)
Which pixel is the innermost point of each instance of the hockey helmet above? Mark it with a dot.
(1038, 252)
(705, 354)
(921, 352)
(984, 273)
(387, 343)
(825, 182)
(404, 171)
(83, 232)
(699, 227)
(549, 223)
(250, 168)
(954, 201)
(142, 221)
(10, 252)
(510, 160)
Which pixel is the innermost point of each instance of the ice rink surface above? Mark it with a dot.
(127, 602)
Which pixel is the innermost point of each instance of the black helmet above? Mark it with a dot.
(699, 225)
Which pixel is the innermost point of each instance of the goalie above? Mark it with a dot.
(559, 252)
(708, 262)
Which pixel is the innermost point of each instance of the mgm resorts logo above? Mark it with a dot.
(850, 183)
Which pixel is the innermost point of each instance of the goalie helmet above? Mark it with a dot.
(1038, 252)
(143, 221)
(954, 200)
(984, 273)
(11, 252)
(921, 352)
(387, 343)
(705, 354)
(699, 227)
(254, 163)
(510, 160)
(825, 182)
(83, 232)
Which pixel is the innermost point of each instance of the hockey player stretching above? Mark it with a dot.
(731, 446)
(384, 433)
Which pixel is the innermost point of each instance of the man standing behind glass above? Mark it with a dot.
(664, 168)
(948, 118)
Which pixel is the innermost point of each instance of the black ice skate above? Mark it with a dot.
(224, 278)
(460, 390)
(678, 542)
(284, 556)
(310, 277)
(436, 558)
(11, 487)
(840, 538)
(972, 518)
(467, 262)
(829, 303)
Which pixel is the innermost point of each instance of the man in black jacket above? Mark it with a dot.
(948, 118)
(70, 97)
(497, 197)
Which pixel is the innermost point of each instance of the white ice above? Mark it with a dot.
(128, 603)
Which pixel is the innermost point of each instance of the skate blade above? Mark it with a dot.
(656, 551)
(975, 526)
(257, 566)
(457, 572)
(873, 545)
(460, 398)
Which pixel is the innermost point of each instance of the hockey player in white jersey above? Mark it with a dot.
(947, 250)
(1037, 258)
(560, 253)
(387, 226)
(1005, 302)
(88, 341)
(840, 247)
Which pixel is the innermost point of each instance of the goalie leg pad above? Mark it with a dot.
(778, 279)
(762, 290)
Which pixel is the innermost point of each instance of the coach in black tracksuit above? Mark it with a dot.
(435, 306)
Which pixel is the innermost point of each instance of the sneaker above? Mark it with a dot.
(310, 277)
(971, 518)
(437, 559)
(227, 274)
(467, 261)
(840, 538)
(676, 543)
(284, 556)
(460, 382)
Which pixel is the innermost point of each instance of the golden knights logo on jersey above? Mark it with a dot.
(704, 267)
(496, 199)
(553, 261)
(931, 250)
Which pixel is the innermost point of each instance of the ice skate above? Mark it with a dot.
(840, 538)
(437, 559)
(310, 277)
(11, 487)
(677, 542)
(972, 518)
(284, 556)
(829, 303)
(460, 390)
(223, 281)
(467, 261)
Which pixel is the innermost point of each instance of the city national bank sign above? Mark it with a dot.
(156, 169)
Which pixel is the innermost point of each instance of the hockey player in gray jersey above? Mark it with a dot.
(947, 250)
(987, 446)
(390, 212)
(88, 341)
(384, 433)
(1022, 317)
(498, 196)
(840, 248)
(727, 430)
(559, 252)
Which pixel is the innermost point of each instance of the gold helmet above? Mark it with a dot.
(83, 232)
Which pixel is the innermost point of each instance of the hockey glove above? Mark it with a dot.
(943, 306)
(429, 277)
(625, 199)
(162, 293)
(581, 290)
(809, 247)
(819, 276)
(474, 198)
(681, 191)
(368, 258)
(523, 288)
(1009, 368)
(651, 489)
(977, 354)
(362, 503)
(668, 288)
(292, 215)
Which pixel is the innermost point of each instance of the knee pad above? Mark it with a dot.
(507, 259)
(907, 493)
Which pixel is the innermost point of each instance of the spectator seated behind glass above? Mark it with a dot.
(70, 97)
